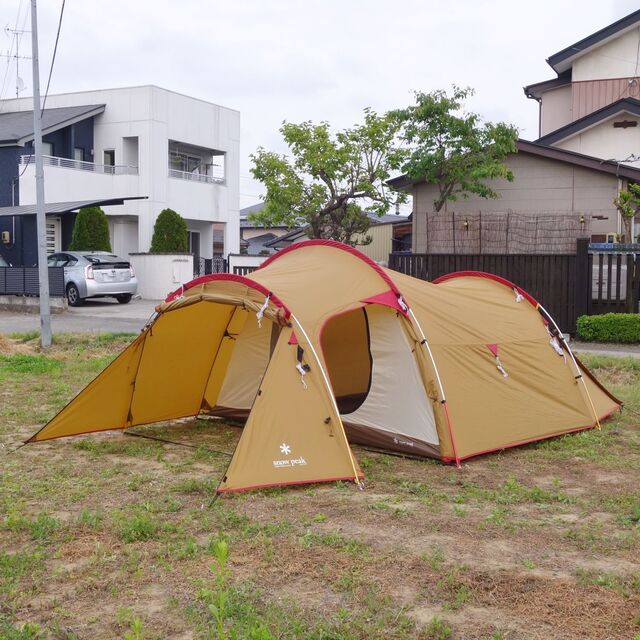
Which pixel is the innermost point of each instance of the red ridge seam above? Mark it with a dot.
(228, 277)
(489, 276)
(342, 247)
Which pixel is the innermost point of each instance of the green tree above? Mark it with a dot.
(628, 204)
(90, 231)
(452, 148)
(170, 233)
(328, 180)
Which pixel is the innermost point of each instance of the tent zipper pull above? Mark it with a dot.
(262, 309)
(501, 368)
(300, 366)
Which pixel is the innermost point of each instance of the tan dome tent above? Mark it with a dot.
(321, 347)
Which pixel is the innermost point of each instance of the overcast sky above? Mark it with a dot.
(276, 60)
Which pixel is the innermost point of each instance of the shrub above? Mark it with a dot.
(90, 231)
(169, 233)
(610, 327)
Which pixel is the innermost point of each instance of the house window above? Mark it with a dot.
(47, 148)
(194, 244)
(78, 154)
(185, 162)
(109, 160)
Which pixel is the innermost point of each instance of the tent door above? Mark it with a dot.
(391, 394)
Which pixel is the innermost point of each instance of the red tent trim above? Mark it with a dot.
(489, 276)
(229, 277)
(342, 247)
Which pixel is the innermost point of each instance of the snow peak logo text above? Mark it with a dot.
(285, 449)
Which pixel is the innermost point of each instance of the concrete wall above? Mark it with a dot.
(244, 261)
(540, 186)
(159, 274)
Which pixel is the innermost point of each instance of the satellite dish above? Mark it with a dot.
(20, 84)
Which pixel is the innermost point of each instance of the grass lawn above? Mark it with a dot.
(112, 536)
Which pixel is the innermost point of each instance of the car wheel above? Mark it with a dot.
(73, 296)
(124, 298)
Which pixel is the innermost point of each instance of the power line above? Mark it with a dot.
(53, 59)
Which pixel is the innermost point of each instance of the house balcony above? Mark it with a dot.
(69, 180)
(80, 165)
(196, 177)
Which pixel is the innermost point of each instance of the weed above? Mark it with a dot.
(135, 630)
(24, 363)
(192, 485)
(335, 541)
(632, 518)
(499, 517)
(437, 629)
(456, 591)
(91, 519)
(42, 527)
(529, 564)
(435, 558)
(319, 517)
(25, 336)
(98, 447)
(27, 631)
(626, 585)
(138, 526)
(217, 599)
(124, 615)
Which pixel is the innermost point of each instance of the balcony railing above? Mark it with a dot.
(195, 177)
(80, 165)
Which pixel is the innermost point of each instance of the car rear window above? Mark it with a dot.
(107, 262)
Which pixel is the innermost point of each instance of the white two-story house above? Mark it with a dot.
(175, 151)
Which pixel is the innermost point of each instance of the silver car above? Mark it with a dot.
(95, 274)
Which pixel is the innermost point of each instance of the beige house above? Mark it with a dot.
(547, 182)
(588, 150)
(593, 105)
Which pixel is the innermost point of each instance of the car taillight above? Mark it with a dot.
(131, 270)
(88, 272)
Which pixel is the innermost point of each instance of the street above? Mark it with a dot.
(97, 315)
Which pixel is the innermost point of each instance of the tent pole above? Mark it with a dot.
(423, 341)
(333, 400)
(575, 364)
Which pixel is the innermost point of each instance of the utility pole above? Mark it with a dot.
(43, 271)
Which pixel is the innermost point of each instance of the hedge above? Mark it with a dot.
(90, 231)
(169, 233)
(609, 327)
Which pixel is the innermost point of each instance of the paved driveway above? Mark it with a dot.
(98, 316)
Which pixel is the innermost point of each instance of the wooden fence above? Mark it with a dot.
(502, 232)
(567, 285)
